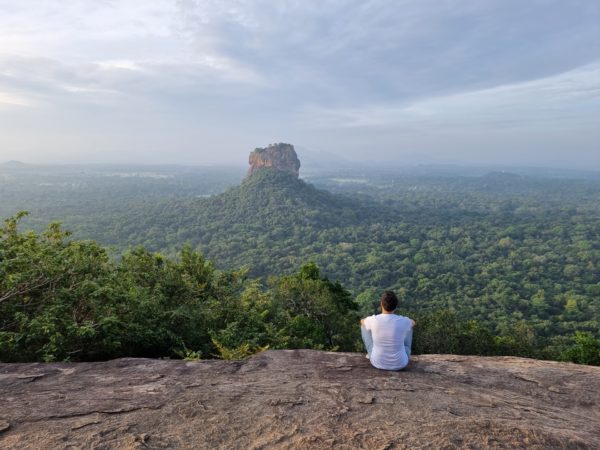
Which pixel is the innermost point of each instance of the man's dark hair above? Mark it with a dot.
(389, 301)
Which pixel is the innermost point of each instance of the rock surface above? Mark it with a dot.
(301, 399)
(276, 156)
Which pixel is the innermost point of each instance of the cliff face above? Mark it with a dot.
(301, 399)
(276, 156)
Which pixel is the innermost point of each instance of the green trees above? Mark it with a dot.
(56, 296)
(312, 312)
(586, 350)
(518, 256)
(172, 305)
(443, 332)
(64, 299)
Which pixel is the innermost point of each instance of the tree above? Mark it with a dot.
(56, 299)
(312, 312)
(586, 350)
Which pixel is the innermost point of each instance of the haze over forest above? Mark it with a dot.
(201, 82)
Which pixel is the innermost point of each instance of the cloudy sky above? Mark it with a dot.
(205, 81)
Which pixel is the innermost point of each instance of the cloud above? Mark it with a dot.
(573, 95)
(9, 99)
(336, 53)
(348, 52)
(289, 69)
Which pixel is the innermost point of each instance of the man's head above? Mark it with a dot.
(389, 301)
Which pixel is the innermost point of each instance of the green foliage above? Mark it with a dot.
(586, 350)
(189, 355)
(497, 250)
(240, 352)
(313, 312)
(519, 340)
(55, 297)
(515, 257)
(64, 299)
(443, 332)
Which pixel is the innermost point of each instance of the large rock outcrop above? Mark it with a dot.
(276, 156)
(301, 399)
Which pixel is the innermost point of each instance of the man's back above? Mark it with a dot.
(389, 332)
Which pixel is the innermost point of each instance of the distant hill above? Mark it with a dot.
(272, 216)
(13, 164)
(272, 197)
(502, 175)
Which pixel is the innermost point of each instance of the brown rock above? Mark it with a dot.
(276, 156)
(301, 399)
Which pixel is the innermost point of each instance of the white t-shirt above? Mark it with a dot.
(388, 331)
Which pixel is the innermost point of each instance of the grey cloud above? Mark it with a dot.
(352, 51)
(390, 75)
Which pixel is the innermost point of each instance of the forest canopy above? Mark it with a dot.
(65, 299)
(514, 255)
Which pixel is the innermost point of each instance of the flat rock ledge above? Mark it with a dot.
(301, 399)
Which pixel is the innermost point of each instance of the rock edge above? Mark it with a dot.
(301, 399)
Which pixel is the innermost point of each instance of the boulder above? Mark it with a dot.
(301, 399)
(276, 156)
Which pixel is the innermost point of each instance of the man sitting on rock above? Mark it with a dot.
(387, 336)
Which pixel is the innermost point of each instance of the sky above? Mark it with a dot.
(511, 82)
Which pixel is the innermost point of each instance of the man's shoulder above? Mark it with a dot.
(369, 319)
(387, 318)
(404, 320)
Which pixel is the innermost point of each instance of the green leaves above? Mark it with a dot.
(314, 312)
(586, 350)
(64, 299)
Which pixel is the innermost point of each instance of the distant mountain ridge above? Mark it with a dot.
(13, 163)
